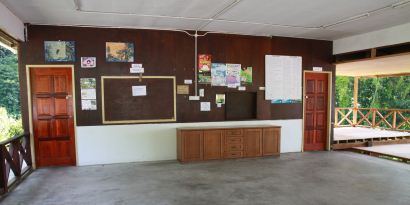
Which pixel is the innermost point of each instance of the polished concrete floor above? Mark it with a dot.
(297, 178)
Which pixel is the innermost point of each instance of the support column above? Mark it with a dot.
(355, 96)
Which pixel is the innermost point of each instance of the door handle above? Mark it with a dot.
(68, 97)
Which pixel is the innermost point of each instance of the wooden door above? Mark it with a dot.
(316, 114)
(193, 145)
(252, 142)
(213, 141)
(53, 120)
(271, 141)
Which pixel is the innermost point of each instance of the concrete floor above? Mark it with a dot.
(298, 178)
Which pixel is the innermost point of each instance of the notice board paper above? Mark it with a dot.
(205, 106)
(283, 77)
(140, 90)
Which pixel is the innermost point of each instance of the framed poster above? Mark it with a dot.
(119, 52)
(204, 68)
(59, 51)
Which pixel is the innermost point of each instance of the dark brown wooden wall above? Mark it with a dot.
(171, 53)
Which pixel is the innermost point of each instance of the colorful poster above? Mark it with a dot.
(246, 76)
(59, 51)
(119, 52)
(204, 68)
(218, 73)
(233, 75)
(87, 83)
(220, 99)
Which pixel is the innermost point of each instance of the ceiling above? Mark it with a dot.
(399, 64)
(315, 19)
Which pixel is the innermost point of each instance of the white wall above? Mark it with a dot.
(10, 23)
(384, 37)
(152, 142)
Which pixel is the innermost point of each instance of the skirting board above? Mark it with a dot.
(157, 142)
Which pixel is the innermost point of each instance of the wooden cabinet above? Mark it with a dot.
(190, 146)
(271, 141)
(211, 143)
(252, 141)
(213, 140)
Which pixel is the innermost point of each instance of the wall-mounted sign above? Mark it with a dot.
(183, 89)
(136, 70)
(317, 69)
(88, 62)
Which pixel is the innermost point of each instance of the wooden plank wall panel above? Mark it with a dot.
(172, 54)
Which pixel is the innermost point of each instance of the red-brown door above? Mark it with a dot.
(316, 99)
(53, 120)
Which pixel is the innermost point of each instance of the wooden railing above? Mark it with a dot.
(391, 119)
(15, 155)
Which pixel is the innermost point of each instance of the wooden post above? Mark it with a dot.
(355, 96)
(3, 171)
(373, 53)
(394, 119)
(336, 117)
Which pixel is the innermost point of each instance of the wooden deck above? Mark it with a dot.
(399, 152)
(349, 137)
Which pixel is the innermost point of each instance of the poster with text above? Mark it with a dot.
(246, 76)
(88, 93)
(218, 73)
(204, 68)
(233, 75)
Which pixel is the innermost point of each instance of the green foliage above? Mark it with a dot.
(344, 91)
(9, 127)
(9, 83)
(387, 92)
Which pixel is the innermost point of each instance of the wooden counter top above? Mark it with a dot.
(229, 127)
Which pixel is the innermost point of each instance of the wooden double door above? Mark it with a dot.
(316, 111)
(52, 116)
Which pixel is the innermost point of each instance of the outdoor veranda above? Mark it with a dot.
(361, 127)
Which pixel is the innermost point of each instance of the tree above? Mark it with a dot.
(9, 83)
(385, 92)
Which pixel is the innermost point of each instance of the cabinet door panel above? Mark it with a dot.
(271, 141)
(252, 142)
(193, 145)
(213, 144)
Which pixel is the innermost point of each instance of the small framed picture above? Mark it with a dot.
(88, 62)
